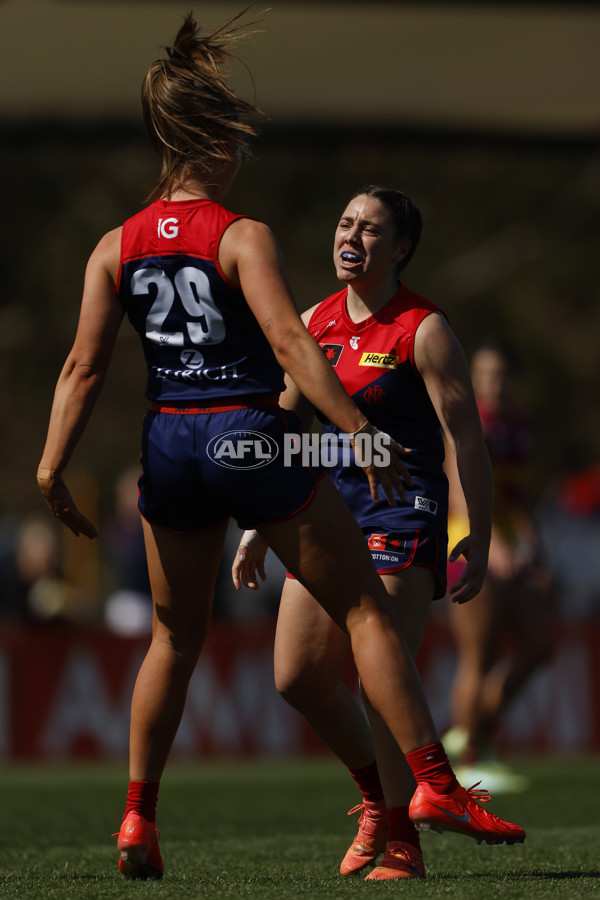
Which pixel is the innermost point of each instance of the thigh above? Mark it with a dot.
(308, 643)
(324, 549)
(412, 590)
(183, 570)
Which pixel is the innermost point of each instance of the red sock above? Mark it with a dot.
(430, 766)
(367, 781)
(400, 827)
(141, 798)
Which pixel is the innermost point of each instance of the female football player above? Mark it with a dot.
(402, 365)
(206, 290)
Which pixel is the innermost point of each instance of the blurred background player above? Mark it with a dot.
(506, 635)
(207, 292)
(399, 360)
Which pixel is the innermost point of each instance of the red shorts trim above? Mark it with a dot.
(219, 404)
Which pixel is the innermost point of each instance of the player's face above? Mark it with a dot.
(365, 247)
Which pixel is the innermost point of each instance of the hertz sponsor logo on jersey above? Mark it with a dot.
(379, 360)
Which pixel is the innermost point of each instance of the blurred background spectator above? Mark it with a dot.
(505, 634)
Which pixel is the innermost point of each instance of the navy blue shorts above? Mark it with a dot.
(393, 551)
(200, 468)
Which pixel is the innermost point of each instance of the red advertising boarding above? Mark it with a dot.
(65, 693)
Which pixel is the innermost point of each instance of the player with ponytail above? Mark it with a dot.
(206, 290)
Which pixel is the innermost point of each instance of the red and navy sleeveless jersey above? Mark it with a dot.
(199, 336)
(374, 359)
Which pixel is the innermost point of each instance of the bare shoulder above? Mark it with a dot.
(433, 324)
(110, 243)
(250, 231)
(307, 314)
(107, 253)
(248, 246)
(435, 343)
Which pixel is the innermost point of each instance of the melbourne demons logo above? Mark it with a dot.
(332, 352)
(374, 395)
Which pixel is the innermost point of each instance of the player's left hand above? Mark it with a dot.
(371, 449)
(249, 561)
(58, 498)
(475, 551)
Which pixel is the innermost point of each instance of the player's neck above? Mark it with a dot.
(190, 189)
(194, 192)
(362, 303)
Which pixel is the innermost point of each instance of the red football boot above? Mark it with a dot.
(138, 848)
(461, 811)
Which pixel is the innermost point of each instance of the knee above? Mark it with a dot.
(299, 687)
(181, 650)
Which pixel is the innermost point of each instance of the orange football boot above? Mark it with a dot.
(370, 839)
(400, 860)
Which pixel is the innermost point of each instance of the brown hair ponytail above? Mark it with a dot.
(193, 116)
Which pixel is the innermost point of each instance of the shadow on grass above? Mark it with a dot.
(284, 882)
(517, 876)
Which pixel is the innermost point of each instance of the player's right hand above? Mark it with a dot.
(58, 498)
(249, 561)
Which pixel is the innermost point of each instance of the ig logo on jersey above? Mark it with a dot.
(242, 449)
(168, 228)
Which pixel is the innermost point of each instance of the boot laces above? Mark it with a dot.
(482, 796)
(368, 820)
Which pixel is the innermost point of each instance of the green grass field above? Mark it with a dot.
(279, 830)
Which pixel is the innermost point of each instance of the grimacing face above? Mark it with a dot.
(365, 246)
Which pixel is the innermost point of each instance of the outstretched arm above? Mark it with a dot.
(81, 380)
(249, 561)
(251, 258)
(443, 366)
(292, 398)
